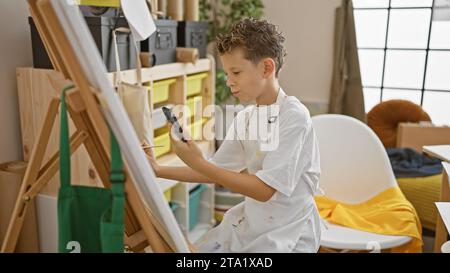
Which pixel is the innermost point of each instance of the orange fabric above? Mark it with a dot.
(387, 213)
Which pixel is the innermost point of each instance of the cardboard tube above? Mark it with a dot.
(187, 55)
(191, 10)
(145, 59)
(162, 6)
(175, 9)
(153, 8)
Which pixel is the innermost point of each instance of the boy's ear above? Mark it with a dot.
(269, 67)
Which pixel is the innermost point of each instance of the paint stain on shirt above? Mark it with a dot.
(239, 222)
(217, 245)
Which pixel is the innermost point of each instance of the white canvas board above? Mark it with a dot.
(95, 71)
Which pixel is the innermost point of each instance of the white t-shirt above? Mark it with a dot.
(289, 221)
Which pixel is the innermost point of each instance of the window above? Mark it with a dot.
(404, 54)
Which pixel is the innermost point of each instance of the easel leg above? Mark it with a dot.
(36, 180)
(65, 58)
(134, 206)
(52, 166)
(31, 174)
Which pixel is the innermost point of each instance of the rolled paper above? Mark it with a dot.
(162, 6)
(153, 8)
(191, 10)
(187, 55)
(175, 9)
(145, 59)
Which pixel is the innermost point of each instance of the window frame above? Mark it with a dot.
(386, 49)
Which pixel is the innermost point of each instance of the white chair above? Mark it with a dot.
(355, 167)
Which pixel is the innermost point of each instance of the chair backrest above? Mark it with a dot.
(355, 166)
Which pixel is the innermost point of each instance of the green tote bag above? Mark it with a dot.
(90, 220)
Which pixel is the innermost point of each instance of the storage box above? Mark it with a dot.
(193, 34)
(194, 204)
(168, 195)
(106, 11)
(173, 206)
(162, 43)
(100, 3)
(194, 83)
(161, 90)
(194, 105)
(101, 30)
(40, 56)
(218, 214)
(161, 139)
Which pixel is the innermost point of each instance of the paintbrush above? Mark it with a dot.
(148, 146)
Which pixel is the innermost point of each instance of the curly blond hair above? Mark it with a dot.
(259, 39)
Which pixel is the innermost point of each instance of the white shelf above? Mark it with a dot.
(166, 184)
(192, 185)
(180, 192)
(164, 71)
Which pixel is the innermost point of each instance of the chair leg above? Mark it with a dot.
(327, 250)
(332, 250)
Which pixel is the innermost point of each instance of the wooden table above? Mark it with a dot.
(442, 152)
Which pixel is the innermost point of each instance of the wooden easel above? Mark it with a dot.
(141, 227)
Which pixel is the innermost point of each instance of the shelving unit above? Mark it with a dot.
(35, 92)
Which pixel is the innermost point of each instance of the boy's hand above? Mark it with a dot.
(151, 158)
(188, 151)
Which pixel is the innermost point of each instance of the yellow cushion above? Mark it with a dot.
(422, 192)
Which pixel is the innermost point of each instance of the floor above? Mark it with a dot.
(428, 244)
(428, 241)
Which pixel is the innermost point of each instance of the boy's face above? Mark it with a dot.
(244, 78)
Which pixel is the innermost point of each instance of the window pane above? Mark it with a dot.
(371, 27)
(371, 65)
(440, 34)
(411, 3)
(404, 94)
(409, 28)
(436, 104)
(370, 3)
(404, 69)
(371, 98)
(438, 70)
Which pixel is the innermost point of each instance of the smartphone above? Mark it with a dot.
(173, 120)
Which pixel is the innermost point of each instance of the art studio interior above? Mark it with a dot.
(225, 126)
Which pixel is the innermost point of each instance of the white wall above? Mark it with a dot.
(15, 50)
(308, 26)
